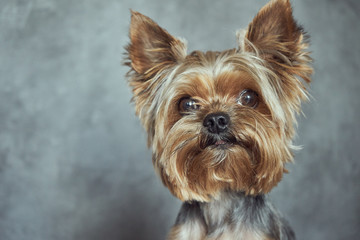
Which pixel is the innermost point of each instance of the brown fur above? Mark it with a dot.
(272, 62)
(238, 166)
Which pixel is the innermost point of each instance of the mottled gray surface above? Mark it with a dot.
(73, 157)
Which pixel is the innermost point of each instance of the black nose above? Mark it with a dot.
(216, 122)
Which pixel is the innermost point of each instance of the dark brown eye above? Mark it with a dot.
(249, 98)
(187, 105)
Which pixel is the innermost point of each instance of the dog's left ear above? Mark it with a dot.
(151, 47)
(279, 40)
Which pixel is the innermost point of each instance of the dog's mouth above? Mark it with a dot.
(220, 142)
(215, 141)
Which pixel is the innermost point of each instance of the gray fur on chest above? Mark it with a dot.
(233, 216)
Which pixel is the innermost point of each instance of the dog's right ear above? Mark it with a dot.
(151, 47)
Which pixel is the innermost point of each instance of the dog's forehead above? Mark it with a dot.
(212, 72)
(204, 82)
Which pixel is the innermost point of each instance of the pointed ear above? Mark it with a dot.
(276, 36)
(151, 47)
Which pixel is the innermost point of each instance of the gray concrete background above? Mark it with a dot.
(73, 157)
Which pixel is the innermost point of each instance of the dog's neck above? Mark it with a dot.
(231, 215)
(234, 207)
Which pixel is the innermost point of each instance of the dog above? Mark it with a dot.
(220, 123)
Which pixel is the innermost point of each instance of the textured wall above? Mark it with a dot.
(73, 157)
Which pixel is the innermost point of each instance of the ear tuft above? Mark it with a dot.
(276, 35)
(274, 21)
(151, 47)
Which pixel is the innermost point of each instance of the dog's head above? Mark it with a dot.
(220, 120)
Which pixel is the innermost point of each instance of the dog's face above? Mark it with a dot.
(220, 120)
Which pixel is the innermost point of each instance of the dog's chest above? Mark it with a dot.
(230, 216)
(197, 230)
(226, 219)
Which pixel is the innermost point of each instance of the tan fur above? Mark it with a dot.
(271, 59)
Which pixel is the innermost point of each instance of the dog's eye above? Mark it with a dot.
(187, 105)
(249, 98)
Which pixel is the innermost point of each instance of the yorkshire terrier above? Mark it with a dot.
(220, 123)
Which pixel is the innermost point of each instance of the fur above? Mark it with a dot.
(247, 160)
(231, 216)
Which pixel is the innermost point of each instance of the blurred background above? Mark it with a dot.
(73, 156)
